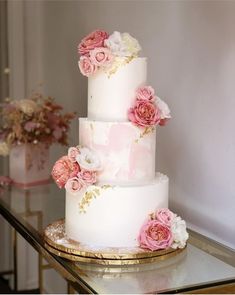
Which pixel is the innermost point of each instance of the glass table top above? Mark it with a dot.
(192, 269)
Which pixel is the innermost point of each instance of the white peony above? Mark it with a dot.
(122, 45)
(165, 111)
(4, 149)
(88, 160)
(132, 45)
(179, 232)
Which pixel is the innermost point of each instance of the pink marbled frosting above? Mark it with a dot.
(127, 158)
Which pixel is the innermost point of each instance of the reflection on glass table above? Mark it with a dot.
(30, 211)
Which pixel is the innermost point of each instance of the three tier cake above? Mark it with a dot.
(114, 197)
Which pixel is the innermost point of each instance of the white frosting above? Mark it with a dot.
(127, 156)
(109, 97)
(115, 216)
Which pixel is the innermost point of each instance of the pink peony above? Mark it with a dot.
(101, 56)
(86, 67)
(145, 93)
(144, 113)
(165, 216)
(74, 185)
(89, 177)
(155, 236)
(91, 41)
(72, 154)
(64, 169)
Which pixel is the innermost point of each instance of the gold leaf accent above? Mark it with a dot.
(106, 186)
(146, 131)
(118, 63)
(93, 193)
(152, 216)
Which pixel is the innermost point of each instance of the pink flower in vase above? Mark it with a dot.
(30, 126)
(86, 67)
(72, 154)
(64, 169)
(101, 56)
(144, 114)
(145, 93)
(155, 235)
(74, 185)
(89, 177)
(91, 41)
(165, 216)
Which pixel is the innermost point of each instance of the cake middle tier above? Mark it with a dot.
(126, 152)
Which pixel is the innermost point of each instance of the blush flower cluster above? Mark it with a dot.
(99, 50)
(77, 170)
(37, 119)
(148, 109)
(164, 230)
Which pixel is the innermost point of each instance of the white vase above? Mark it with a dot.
(29, 165)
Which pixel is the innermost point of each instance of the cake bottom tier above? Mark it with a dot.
(112, 216)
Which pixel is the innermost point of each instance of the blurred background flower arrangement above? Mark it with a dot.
(37, 119)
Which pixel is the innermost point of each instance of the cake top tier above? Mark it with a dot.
(117, 89)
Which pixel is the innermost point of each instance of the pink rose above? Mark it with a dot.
(91, 41)
(144, 113)
(145, 93)
(74, 185)
(89, 177)
(86, 67)
(165, 216)
(101, 56)
(72, 154)
(155, 235)
(64, 169)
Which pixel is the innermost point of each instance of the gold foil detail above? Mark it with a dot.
(152, 216)
(119, 62)
(147, 130)
(92, 193)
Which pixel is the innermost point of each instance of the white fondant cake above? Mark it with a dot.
(110, 96)
(113, 196)
(115, 216)
(127, 156)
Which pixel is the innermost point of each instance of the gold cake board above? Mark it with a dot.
(57, 243)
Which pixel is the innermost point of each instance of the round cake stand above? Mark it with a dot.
(58, 243)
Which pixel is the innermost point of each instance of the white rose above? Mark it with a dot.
(179, 232)
(115, 44)
(88, 160)
(132, 45)
(4, 149)
(122, 45)
(165, 111)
